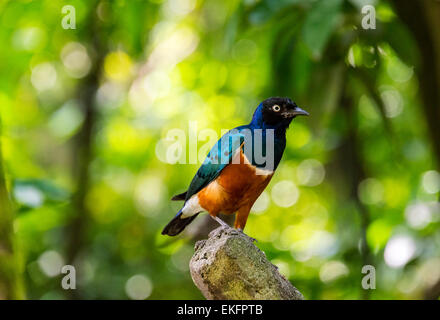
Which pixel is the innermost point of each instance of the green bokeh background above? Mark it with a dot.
(85, 113)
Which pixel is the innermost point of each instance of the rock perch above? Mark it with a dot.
(228, 266)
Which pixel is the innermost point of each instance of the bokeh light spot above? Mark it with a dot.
(138, 287)
(44, 76)
(398, 71)
(310, 172)
(149, 192)
(393, 103)
(378, 233)
(76, 60)
(418, 215)
(28, 39)
(261, 204)
(285, 193)
(50, 263)
(118, 65)
(300, 136)
(156, 85)
(179, 7)
(370, 191)
(66, 120)
(399, 251)
(431, 181)
(332, 270)
(28, 195)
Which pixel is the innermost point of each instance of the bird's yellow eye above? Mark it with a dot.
(276, 108)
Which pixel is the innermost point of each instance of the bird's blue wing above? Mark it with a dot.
(217, 159)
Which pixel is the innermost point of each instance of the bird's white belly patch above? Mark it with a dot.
(258, 171)
(191, 207)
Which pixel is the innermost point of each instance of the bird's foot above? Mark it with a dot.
(221, 222)
(241, 231)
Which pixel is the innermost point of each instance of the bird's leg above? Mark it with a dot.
(220, 221)
(240, 220)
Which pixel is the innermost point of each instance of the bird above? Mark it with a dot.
(233, 174)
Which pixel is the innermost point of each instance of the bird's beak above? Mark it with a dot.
(297, 111)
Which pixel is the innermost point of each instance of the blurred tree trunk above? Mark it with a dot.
(423, 19)
(11, 284)
(354, 173)
(83, 146)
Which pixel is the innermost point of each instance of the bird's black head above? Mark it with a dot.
(281, 111)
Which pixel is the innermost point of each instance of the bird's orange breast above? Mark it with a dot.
(237, 186)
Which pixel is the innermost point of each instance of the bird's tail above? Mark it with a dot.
(177, 224)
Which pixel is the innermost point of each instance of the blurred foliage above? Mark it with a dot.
(85, 112)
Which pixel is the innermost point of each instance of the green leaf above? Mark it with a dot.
(35, 192)
(320, 24)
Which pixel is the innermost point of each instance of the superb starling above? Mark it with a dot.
(238, 167)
